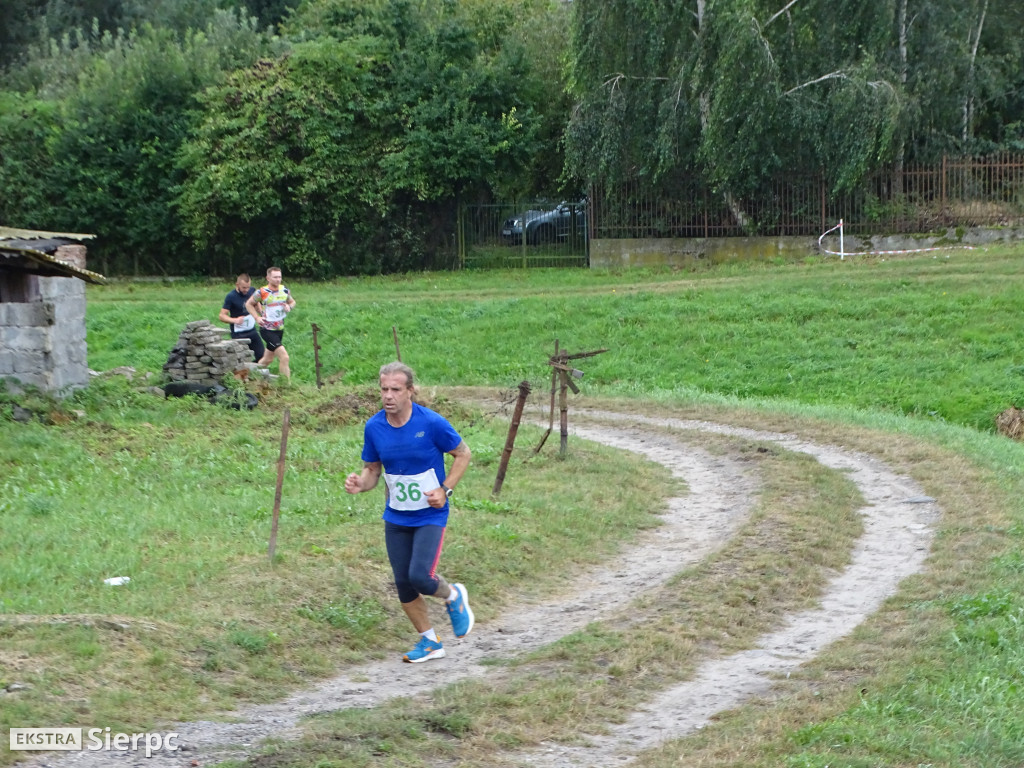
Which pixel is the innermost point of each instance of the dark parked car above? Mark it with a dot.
(551, 226)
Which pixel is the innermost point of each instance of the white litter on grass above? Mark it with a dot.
(117, 581)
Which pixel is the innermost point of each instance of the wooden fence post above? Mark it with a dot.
(316, 357)
(551, 418)
(942, 202)
(563, 406)
(280, 482)
(513, 429)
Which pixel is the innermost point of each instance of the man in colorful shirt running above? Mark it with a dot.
(408, 442)
(268, 306)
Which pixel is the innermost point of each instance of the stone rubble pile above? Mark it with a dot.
(204, 356)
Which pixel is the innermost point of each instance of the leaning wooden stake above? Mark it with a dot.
(280, 482)
(316, 357)
(398, 352)
(517, 416)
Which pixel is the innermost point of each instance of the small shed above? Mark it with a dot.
(42, 309)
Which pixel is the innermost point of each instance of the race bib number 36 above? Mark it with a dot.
(409, 492)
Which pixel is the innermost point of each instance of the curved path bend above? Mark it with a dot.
(898, 523)
(898, 528)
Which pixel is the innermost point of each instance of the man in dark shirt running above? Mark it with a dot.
(235, 314)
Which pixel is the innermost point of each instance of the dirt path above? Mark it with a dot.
(897, 534)
(898, 521)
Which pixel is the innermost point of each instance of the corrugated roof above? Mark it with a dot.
(13, 233)
(31, 250)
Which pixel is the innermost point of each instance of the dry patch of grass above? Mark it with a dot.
(1011, 423)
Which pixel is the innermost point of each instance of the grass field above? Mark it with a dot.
(933, 336)
(909, 360)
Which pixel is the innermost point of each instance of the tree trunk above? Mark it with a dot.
(901, 22)
(705, 116)
(973, 40)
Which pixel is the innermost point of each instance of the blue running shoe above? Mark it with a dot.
(425, 650)
(459, 612)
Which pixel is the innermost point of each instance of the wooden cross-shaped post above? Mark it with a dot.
(563, 374)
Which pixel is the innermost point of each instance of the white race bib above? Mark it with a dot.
(274, 313)
(409, 492)
(247, 324)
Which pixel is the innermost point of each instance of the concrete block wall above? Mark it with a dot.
(42, 343)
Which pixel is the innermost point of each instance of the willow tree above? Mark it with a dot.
(731, 91)
(735, 90)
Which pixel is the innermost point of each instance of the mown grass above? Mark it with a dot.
(926, 680)
(907, 360)
(930, 336)
(599, 675)
(177, 494)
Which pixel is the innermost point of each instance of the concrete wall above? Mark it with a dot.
(42, 341)
(682, 252)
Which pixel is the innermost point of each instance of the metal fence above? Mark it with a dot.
(966, 191)
(962, 191)
(492, 236)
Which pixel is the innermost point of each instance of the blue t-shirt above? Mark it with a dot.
(413, 460)
(234, 303)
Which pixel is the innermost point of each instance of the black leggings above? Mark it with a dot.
(414, 554)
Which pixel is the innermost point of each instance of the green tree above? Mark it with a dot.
(351, 153)
(282, 165)
(731, 92)
(271, 13)
(18, 29)
(28, 196)
(110, 128)
(457, 86)
(726, 90)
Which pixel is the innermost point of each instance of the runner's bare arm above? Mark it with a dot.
(437, 497)
(365, 480)
(462, 455)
